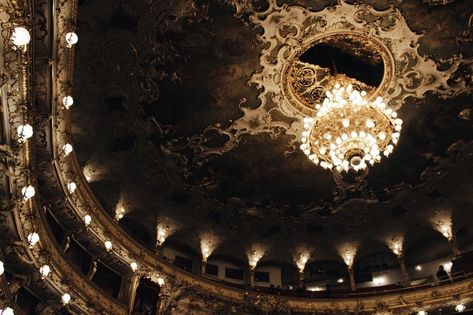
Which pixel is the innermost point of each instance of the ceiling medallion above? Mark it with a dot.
(293, 78)
(349, 131)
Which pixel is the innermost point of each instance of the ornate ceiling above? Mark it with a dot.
(182, 119)
(187, 115)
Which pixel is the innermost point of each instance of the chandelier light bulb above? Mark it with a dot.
(7, 311)
(33, 238)
(340, 280)
(44, 271)
(20, 36)
(349, 132)
(133, 266)
(460, 308)
(67, 148)
(28, 192)
(67, 101)
(418, 267)
(161, 281)
(24, 132)
(422, 312)
(66, 298)
(71, 187)
(87, 219)
(71, 39)
(2, 268)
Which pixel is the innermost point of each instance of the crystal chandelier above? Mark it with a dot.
(350, 131)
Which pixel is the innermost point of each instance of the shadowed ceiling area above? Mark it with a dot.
(155, 88)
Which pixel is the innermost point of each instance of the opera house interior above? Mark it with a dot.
(167, 157)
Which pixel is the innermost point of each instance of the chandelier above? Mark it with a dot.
(349, 131)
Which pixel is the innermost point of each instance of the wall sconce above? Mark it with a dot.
(208, 243)
(71, 39)
(348, 257)
(24, 132)
(301, 260)
(20, 36)
(119, 212)
(162, 232)
(28, 192)
(33, 238)
(254, 256)
(446, 231)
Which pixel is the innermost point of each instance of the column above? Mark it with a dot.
(405, 275)
(301, 278)
(128, 290)
(351, 273)
(251, 275)
(203, 266)
(454, 245)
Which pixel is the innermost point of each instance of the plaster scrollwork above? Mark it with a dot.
(289, 31)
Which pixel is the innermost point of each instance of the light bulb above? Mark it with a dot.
(422, 312)
(33, 238)
(24, 132)
(87, 219)
(44, 270)
(418, 267)
(67, 101)
(460, 308)
(20, 36)
(28, 192)
(2, 268)
(66, 298)
(7, 311)
(67, 148)
(134, 266)
(108, 245)
(71, 39)
(161, 281)
(71, 187)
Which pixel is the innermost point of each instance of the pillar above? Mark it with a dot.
(203, 267)
(251, 275)
(128, 290)
(405, 275)
(454, 245)
(351, 273)
(301, 278)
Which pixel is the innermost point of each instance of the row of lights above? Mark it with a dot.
(20, 38)
(459, 308)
